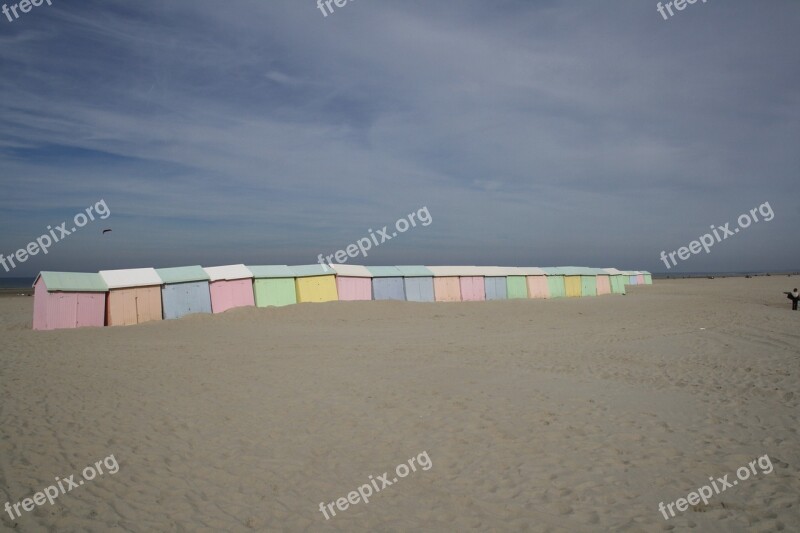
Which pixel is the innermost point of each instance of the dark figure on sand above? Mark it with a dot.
(794, 296)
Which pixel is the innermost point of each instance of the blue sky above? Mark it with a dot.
(537, 133)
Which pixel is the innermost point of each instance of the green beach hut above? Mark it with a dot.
(516, 283)
(617, 278)
(273, 285)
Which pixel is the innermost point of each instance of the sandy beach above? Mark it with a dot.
(563, 415)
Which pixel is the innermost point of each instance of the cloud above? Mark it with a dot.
(536, 132)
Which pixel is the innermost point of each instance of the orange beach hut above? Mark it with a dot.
(446, 284)
(134, 296)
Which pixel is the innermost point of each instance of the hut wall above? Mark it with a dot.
(588, 285)
(353, 289)
(388, 289)
(274, 292)
(537, 287)
(556, 287)
(472, 288)
(496, 287)
(618, 284)
(419, 289)
(135, 305)
(181, 299)
(447, 289)
(572, 286)
(603, 285)
(516, 287)
(316, 289)
(229, 294)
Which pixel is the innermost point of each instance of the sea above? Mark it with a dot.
(16, 283)
(680, 275)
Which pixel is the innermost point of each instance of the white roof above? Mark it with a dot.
(533, 271)
(472, 271)
(441, 271)
(228, 272)
(131, 277)
(353, 271)
(613, 271)
(501, 271)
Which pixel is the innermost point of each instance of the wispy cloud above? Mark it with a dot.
(538, 133)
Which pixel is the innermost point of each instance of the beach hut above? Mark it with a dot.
(516, 283)
(602, 281)
(315, 283)
(572, 281)
(648, 277)
(273, 285)
(64, 300)
(387, 283)
(617, 279)
(446, 285)
(631, 277)
(588, 281)
(471, 283)
(418, 283)
(640, 278)
(580, 281)
(184, 291)
(555, 282)
(353, 282)
(231, 286)
(504, 283)
(495, 282)
(134, 296)
(536, 279)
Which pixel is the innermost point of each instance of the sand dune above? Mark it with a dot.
(563, 415)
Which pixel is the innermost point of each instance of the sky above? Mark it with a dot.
(535, 133)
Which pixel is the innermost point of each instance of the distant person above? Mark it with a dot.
(794, 296)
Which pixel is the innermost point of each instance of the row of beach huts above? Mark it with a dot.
(133, 296)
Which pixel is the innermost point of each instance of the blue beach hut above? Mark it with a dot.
(184, 291)
(387, 283)
(495, 281)
(418, 283)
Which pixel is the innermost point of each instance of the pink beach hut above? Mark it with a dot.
(536, 278)
(472, 284)
(640, 278)
(603, 281)
(65, 300)
(230, 286)
(353, 282)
